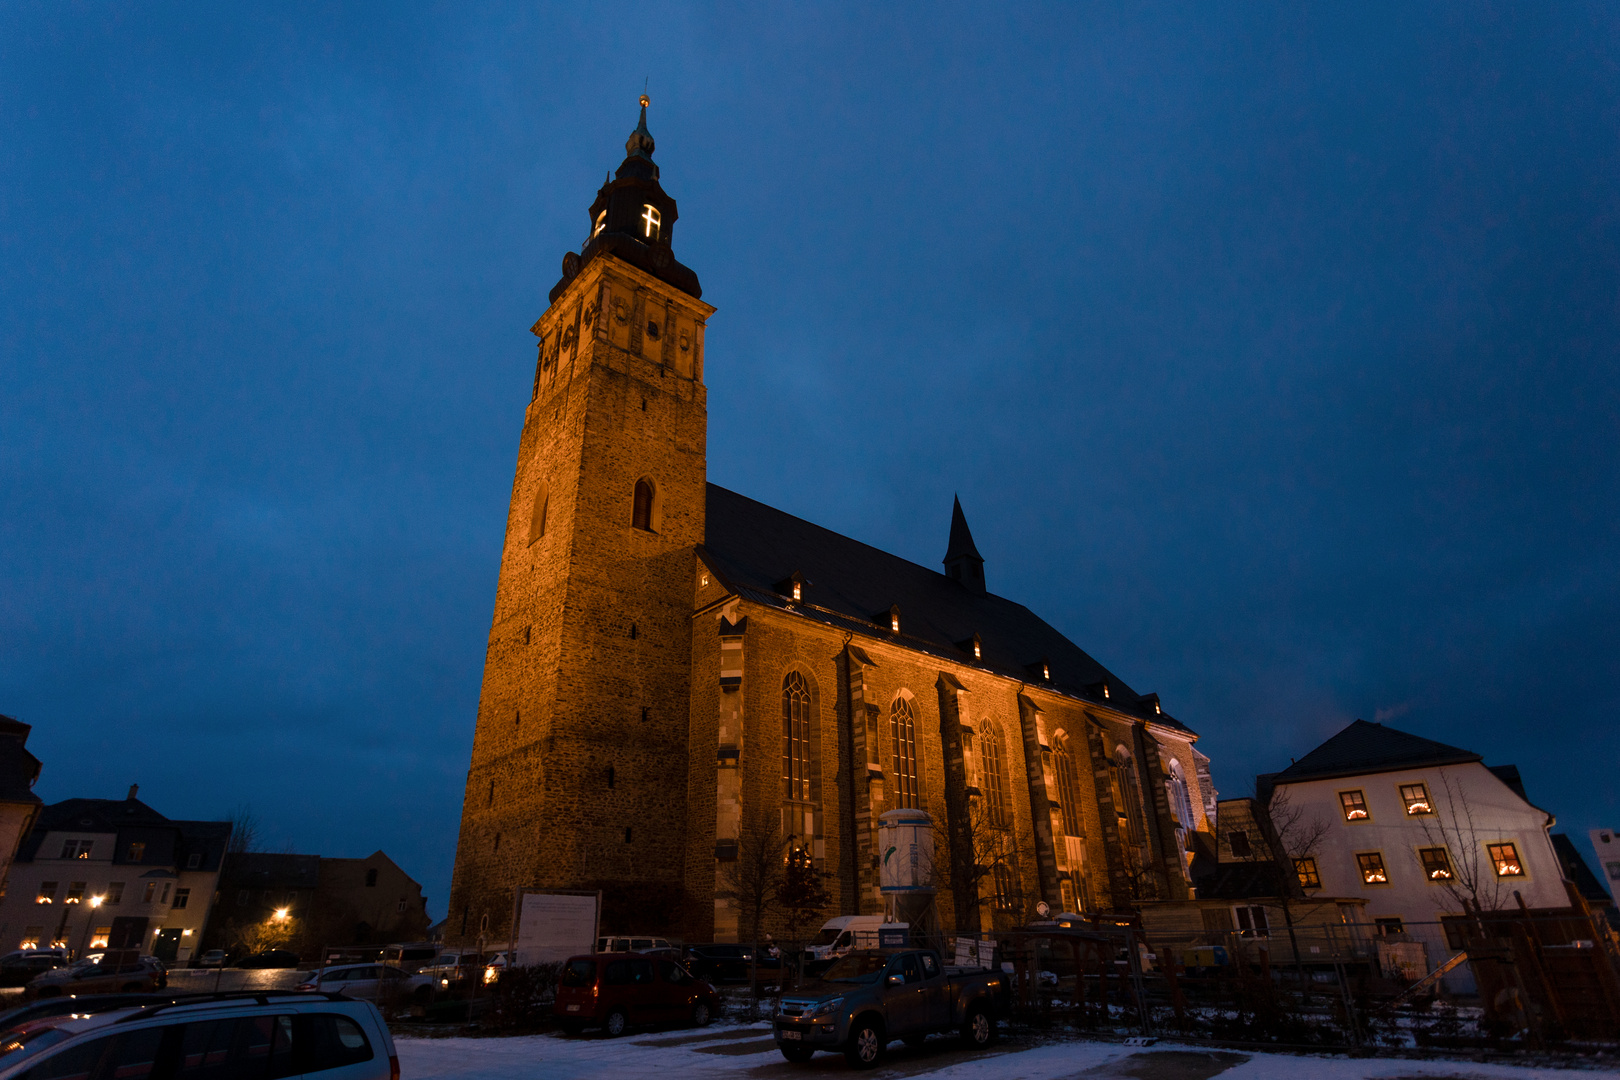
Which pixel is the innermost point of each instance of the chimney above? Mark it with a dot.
(133, 788)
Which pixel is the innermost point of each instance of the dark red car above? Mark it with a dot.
(614, 991)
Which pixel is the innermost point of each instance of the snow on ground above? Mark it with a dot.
(748, 1052)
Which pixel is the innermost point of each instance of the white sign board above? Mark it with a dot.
(554, 926)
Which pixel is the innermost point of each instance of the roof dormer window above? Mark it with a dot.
(601, 223)
(651, 221)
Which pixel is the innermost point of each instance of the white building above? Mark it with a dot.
(1415, 827)
(1606, 842)
(100, 872)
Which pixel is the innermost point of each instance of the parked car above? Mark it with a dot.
(871, 996)
(494, 966)
(212, 958)
(19, 969)
(118, 971)
(450, 967)
(270, 958)
(729, 963)
(630, 944)
(412, 956)
(615, 991)
(87, 1005)
(252, 1035)
(372, 982)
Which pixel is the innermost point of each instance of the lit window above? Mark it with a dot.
(798, 591)
(601, 223)
(1308, 877)
(1046, 671)
(978, 650)
(151, 892)
(795, 736)
(1415, 797)
(47, 893)
(650, 220)
(903, 735)
(99, 936)
(1436, 863)
(75, 893)
(1251, 921)
(137, 851)
(76, 849)
(1355, 805)
(31, 936)
(1505, 857)
(1372, 868)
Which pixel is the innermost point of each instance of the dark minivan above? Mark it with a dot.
(615, 991)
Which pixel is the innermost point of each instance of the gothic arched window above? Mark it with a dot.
(903, 730)
(795, 737)
(1006, 883)
(1127, 792)
(641, 513)
(1068, 784)
(996, 810)
(1180, 800)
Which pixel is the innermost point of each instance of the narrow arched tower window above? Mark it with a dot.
(537, 515)
(601, 223)
(641, 511)
(651, 221)
(903, 733)
(795, 737)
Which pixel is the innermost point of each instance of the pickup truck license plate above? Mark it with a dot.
(573, 1008)
(789, 1033)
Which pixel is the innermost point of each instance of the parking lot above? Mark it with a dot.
(748, 1051)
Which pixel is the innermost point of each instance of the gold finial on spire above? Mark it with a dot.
(645, 101)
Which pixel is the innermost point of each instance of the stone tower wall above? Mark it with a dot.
(579, 770)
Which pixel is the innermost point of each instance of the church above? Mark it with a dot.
(678, 674)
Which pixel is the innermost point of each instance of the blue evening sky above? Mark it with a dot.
(1271, 348)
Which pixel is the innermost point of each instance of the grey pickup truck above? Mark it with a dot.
(871, 996)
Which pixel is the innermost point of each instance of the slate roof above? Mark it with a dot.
(1371, 748)
(265, 870)
(755, 548)
(168, 842)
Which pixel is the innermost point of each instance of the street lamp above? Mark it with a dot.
(84, 938)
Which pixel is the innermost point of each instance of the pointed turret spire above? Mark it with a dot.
(962, 559)
(640, 143)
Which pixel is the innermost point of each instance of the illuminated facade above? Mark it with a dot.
(675, 671)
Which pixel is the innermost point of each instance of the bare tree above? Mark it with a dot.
(1295, 834)
(752, 879)
(1469, 873)
(997, 850)
(244, 831)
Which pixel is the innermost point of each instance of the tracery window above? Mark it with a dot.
(996, 810)
(1180, 799)
(795, 737)
(641, 510)
(1127, 792)
(1068, 782)
(1006, 883)
(903, 733)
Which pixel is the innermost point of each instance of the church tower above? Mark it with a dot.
(579, 764)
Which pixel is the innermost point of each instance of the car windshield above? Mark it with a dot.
(827, 936)
(858, 968)
(85, 965)
(22, 1043)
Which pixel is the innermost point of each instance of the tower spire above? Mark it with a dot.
(640, 144)
(963, 562)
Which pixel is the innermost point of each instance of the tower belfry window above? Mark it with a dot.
(601, 223)
(650, 221)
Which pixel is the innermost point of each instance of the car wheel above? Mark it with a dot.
(980, 1030)
(616, 1023)
(866, 1045)
(797, 1054)
(701, 1014)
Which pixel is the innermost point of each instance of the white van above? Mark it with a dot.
(838, 936)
